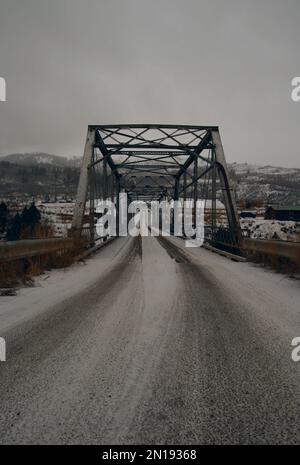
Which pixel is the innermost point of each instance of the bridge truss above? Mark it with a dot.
(156, 162)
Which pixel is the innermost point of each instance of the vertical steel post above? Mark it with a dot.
(79, 209)
(105, 184)
(118, 190)
(176, 189)
(184, 197)
(230, 205)
(195, 176)
(112, 187)
(213, 197)
(176, 197)
(92, 202)
(184, 185)
(104, 179)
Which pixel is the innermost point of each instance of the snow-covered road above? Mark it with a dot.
(150, 342)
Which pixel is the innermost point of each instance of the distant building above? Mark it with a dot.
(283, 213)
(247, 214)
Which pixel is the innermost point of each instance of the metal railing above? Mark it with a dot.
(288, 250)
(14, 250)
(285, 249)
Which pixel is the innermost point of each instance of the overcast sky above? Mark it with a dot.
(68, 63)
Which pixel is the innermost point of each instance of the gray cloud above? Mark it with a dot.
(68, 63)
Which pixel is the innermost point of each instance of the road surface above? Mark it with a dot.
(151, 342)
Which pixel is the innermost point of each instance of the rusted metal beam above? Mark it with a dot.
(196, 152)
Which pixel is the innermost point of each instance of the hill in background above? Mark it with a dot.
(40, 158)
(38, 175)
(265, 184)
(42, 174)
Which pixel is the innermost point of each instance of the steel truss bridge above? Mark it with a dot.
(156, 162)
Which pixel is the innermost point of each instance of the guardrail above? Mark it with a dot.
(14, 250)
(286, 249)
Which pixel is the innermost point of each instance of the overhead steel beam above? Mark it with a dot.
(152, 146)
(132, 166)
(103, 148)
(153, 126)
(197, 151)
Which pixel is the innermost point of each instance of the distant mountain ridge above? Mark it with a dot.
(38, 175)
(248, 168)
(267, 184)
(39, 158)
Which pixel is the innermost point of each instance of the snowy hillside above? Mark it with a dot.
(267, 184)
(37, 174)
(40, 158)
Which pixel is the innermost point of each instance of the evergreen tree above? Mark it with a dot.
(29, 218)
(4, 211)
(25, 218)
(14, 228)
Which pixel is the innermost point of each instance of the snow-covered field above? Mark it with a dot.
(269, 184)
(271, 229)
(59, 215)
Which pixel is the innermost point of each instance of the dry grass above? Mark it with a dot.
(21, 272)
